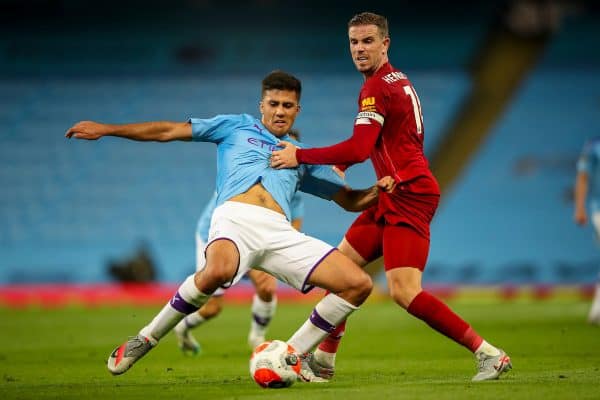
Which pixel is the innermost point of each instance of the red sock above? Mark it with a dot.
(441, 318)
(331, 343)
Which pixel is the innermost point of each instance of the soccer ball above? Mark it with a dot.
(274, 364)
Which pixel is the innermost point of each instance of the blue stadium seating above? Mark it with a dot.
(69, 206)
(510, 216)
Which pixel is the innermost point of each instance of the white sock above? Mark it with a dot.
(190, 321)
(193, 320)
(324, 358)
(329, 312)
(487, 349)
(262, 313)
(187, 300)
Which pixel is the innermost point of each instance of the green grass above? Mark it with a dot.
(386, 354)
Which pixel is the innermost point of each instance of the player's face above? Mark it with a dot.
(279, 109)
(368, 48)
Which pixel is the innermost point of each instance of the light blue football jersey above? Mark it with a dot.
(204, 221)
(589, 161)
(244, 149)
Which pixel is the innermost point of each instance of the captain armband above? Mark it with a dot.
(365, 117)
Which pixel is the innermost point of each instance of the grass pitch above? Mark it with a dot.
(61, 354)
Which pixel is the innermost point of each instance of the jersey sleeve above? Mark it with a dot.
(367, 128)
(372, 105)
(321, 181)
(214, 129)
(353, 150)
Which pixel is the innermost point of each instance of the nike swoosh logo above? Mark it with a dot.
(503, 361)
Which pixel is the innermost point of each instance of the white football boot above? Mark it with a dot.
(124, 356)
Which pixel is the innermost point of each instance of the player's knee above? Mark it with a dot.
(221, 262)
(223, 276)
(404, 295)
(362, 287)
(266, 290)
(400, 299)
(210, 279)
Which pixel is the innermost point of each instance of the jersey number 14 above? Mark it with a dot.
(409, 90)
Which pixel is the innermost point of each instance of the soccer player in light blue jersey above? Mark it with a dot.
(250, 227)
(264, 301)
(587, 192)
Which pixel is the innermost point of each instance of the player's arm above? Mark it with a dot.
(353, 150)
(340, 169)
(358, 200)
(581, 189)
(160, 131)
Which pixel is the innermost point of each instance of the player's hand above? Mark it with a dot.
(386, 184)
(88, 130)
(580, 217)
(338, 171)
(286, 157)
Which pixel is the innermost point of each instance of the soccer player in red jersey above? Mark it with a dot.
(388, 129)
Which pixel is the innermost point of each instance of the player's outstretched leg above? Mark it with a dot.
(322, 362)
(329, 311)
(186, 300)
(186, 342)
(349, 286)
(183, 330)
(405, 288)
(491, 361)
(262, 313)
(264, 304)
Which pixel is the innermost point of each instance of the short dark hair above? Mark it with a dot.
(369, 18)
(281, 80)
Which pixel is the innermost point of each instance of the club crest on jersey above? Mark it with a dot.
(263, 144)
(368, 104)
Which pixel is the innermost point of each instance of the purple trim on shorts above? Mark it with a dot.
(262, 321)
(320, 323)
(226, 286)
(178, 303)
(307, 288)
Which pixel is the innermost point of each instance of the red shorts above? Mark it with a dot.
(400, 245)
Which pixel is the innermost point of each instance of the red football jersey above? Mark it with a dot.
(389, 98)
(389, 130)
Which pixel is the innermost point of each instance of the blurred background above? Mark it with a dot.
(509, 91)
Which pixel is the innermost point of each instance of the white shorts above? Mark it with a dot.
(201, 261)
(267, 241)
